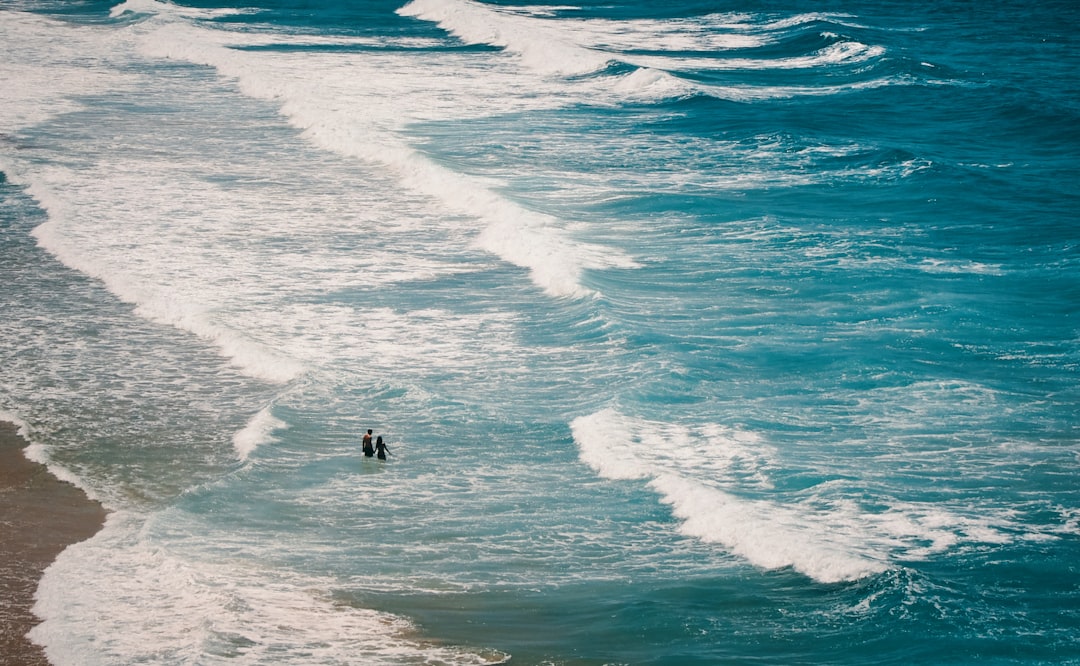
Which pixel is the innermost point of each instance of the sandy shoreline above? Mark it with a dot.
(40, 516)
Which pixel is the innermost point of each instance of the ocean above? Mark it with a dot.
(699, 333)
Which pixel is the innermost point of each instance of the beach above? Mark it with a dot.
(41, 516)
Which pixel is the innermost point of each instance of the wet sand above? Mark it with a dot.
(40, 516)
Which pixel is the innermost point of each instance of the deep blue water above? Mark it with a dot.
(702, 334)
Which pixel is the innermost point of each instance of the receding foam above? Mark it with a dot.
(170, 607)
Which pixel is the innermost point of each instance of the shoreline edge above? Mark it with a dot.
(40, 516)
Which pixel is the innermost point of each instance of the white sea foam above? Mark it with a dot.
(623, 447)
(845, 52)
(259, 430)
(573, 46)
(35, 452)
(22, 428)
(391, 343)
(569, 46)
(78, 61)
(365, 120)
(168, 607)
(771, 535)
(541, 46)
(155, 301)
(172, 270)
(321, 95)
(154, 7)
(959, 266)
(706, 34)
(649, 83)
(45, 65)
(684, 465)
(38, 453)
(797, 20)
(717, 481)
(751, 93)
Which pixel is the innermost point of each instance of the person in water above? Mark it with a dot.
(368, 451)
(381, 447)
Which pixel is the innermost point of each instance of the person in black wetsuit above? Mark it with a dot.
(381, 447)
(368, 451)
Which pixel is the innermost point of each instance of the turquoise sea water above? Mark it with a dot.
(703, 334)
